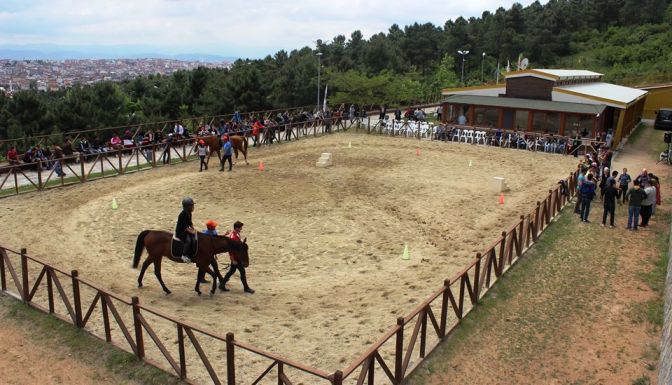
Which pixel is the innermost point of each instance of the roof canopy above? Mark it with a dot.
(555, 74)
(528, 104)
(610, 94)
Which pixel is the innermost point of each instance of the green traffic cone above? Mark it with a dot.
(114, 204)
(406, 256)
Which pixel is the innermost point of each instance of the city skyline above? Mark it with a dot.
(122, 28)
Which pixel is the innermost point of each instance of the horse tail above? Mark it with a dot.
(245, 144)
(139, 245)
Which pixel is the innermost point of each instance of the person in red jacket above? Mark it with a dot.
(13, 156)
(235, 264)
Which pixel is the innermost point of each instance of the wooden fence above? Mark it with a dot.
(389, 360)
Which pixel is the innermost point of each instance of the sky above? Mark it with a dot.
(238, 28)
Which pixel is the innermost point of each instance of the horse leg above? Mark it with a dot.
(199, 276)
(145, 265)
(214, 279)
(157, 272)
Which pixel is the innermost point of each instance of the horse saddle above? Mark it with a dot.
(177, 248)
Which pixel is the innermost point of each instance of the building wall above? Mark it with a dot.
(657, 98)
(528, 87)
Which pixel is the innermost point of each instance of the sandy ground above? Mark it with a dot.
(23, 360)
(325, 244)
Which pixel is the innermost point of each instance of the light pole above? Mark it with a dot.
(482, 61)
(464, 54)
(319, 65)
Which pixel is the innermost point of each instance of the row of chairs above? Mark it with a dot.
(509, 140)
(409, 129)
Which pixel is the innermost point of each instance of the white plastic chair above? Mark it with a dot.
(479, 137)
(470, 136)
(456, 135)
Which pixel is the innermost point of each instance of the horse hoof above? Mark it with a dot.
(139, 285)
(199, 293)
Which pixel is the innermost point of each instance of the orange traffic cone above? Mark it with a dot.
(501, 199)
(261, 166)
(417, 151)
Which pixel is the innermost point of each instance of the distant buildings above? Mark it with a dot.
(55, 74)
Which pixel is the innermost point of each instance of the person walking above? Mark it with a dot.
(647, 204)
(227, 152)
(587, 194)
(235, 262)
(623, 182)
(610, 195)
(202, 153)
(635, 197)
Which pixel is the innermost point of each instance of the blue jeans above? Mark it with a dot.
(585, 208)
(633, 216)
(58, 168)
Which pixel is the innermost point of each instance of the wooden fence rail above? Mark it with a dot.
(390, 359)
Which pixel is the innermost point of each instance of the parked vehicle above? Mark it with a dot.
(663, 119)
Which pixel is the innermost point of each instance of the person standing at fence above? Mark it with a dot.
(202, 153)
(236, 264)
(58, 160)
(579, 182)
(635, 196)
(587, 194)
(351, 113)
(227, 152)
(623, 182)
(610, 194)
(647, 204)
(167, 149)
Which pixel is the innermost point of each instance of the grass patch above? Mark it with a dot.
(636, 134)
(643, 380)
(45, 328)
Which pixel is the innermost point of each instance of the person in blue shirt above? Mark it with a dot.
(211, 228)
(579, 182)
(623, 182)
(227, 152)
(587, 191)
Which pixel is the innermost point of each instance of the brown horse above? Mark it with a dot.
(239, 143)
(158, 245)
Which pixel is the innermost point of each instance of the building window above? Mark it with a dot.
(546, 122)
(553, 122)
(579, 125)
(521, 120)
(486, 116)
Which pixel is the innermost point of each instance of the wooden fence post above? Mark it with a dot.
(536, 222)
(399, 350)
(24, 274)
(520, 236)
(502, 252)
(135, 302)
(183, 361)
(76, 298)
(3, 279)
(39, 175)
(82, 169)
(477, 276)
(444, 308)
(121, 162)
(230, 361)
(338, 378)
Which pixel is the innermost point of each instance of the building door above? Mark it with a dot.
(508, 119)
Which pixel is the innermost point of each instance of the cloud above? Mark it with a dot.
(234, 27)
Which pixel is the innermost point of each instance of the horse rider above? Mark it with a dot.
(184, 230)
(235, 264)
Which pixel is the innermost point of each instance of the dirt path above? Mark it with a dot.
(39, 349)
(583, 307)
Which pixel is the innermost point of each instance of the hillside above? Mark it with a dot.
(627, 40)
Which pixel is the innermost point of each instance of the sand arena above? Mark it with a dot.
(325, 244)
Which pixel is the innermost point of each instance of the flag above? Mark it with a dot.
(324, 106)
